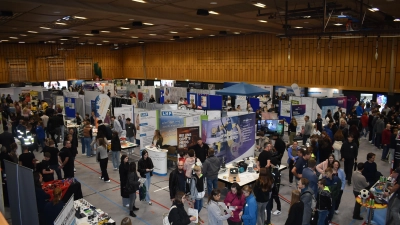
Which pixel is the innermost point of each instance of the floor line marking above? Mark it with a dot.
(161, 189)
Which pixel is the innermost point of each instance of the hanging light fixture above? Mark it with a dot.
(290, 40)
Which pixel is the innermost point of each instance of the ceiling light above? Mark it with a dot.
(99, 44)
(213, 3)
(58, 23)
(131, 19)
(125, 28)
(141, 42)
(23, 35)
(148, 24)
(75, 37)
(396, 20)
(211, 35)
(152, 34)
(4, 40)
(105, 41)
(259, 5)
(56, 12)
(172, 39)
(46, 28)
(134, 37)
(13, 38)
(298, 27)
(89, 34)
(373, 9)
(213, 12)
(338, 24)
(63, 39)
(263, 21)
(306, 17)
(105, 31)
(90, 43)
(21, 42)
(190, 37)
(80, 17)
(198, 28)
(236, 32)
(33, 32)
(140, 1)
(173, 32)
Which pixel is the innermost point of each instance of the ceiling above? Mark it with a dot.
(35, 21)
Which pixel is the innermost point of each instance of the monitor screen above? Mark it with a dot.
(55, 84)
(381, 100)
(270, 126)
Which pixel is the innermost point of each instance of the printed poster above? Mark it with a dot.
(187, 137)
(231, 137)
(298, 112)
(169, 122)
(148, 124)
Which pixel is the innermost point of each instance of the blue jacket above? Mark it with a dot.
(329, 132)
(290, 149)
(312, 178)
(359, 110)
(342, 177)
(40, 133)
(249, 216)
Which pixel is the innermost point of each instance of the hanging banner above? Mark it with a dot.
(187, 137)
(122, 113)
(147, 126)
(298, 112)
(231, 137)
(102, 103)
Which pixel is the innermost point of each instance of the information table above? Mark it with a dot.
(159, 158)
(87, 214)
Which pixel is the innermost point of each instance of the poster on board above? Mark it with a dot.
(34, 97)
(231, 137)
(169, 122)
(187, 137)
(298, 113)
(147, 126)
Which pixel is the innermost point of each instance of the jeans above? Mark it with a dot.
(385, 151)
(125, 201)
(261, 207)
(131, 139)
(371, 134)
(338, 200)
(269, 209)
(234, 223)
(378, 140)
(291, 165)
(391, 155)
(103, 167)
(357, 207)
(305, 137)
(211, 184)
(87, 141)
(364, 131)
(322, 217)
(198, 204)
(332, 210)
(115, 159)
(147, 183)
(57, 170)
(93, 143)
(83, 145)
(132, 198)
(54, 139)
(62, 130)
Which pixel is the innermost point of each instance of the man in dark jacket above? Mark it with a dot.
(201, 150)
(378, 128)
(6, 139)
(52, 127)
(324, 201)
(279, 146)
(210, 169)
(337, 115)
(177, 181)
(349, 153)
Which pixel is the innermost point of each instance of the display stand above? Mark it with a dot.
(159, 158)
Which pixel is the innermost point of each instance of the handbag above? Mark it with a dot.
(314, 218)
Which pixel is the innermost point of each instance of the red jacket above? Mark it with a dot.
(364, 120)
(233, 200)
(386, 134)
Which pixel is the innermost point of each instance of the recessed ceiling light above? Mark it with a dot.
(338, 24)
(211, 35)
(213, 3)
(262, 21)
(13, 38)
(31, 31)
(306, 17)
(105, 31)
(198, 28)
(23, 35)
(298, 27)
(125, 28)
(373, 9)
(56, 12)
(75, 37)
(4, 40)
(105, 41)
(213, 12)
(259, 5)
(46, 28)
(134, 37)
(99, 44)
(22, 42)
(236, 32)
(141, 42)
(153, 34)
(396, 20)
(59, 23)
(80, 17)
(190, 37)
(173, 32)
(140, 1)
(89, 34)
(62, 43)
(63, 39)
(148, 24)
(172, 39)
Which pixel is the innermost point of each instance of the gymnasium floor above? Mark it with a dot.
(106, 196)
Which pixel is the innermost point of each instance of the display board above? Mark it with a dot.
(269, 116)
(254, 103)
(148, 123)
(169, 122)
(187, 137)
(231, 137)
(324, 104)
(122, 113)
(288, 90)
(203, 100)
(311, 103)
(215, 102)
(102, 103)
(285, 110)
(298, 113)
(242, 101)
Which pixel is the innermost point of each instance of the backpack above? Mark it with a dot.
(165, 216)
(313, 201)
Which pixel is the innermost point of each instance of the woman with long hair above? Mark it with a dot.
(292, 130)
(325, 164)
(178, 215)
(296, 209)
(102, 157)
(262, 192)
(235, 198)
(337, 145)
(325, 146)
(216, 214)
(132, 186)
(123, 178)
(146, 167)
(339, 172)
(157, 138)
(53, 208)
(249, 213)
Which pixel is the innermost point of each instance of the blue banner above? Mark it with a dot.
(215, 102)
(255, 103)
(231, 137)
(325, 104)
(69, 104)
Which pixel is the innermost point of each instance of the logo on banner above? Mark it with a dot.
(340, 101)
(166, 113)
(144, 114)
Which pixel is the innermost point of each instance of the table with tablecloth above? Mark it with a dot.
(69, 187)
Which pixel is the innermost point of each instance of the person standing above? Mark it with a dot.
(65, 160)
(337, 171)
(53, 162)
(87, 139)
(178, 214)
(292, 129)
(379, 127)
(132, 186)
(116, 149)
(123, 179)
(337, 145)
(318, 122)
(262, 192)
(81, 137)
(337, 115)
(307, 129)
(211, 168)
(310, 174)
(392, 215)
(370, 171)
(6, 138)
(201, 150)
(392, 145)
(301, 164)
(324, 202)
(249, 213)
(177, 181)
(359, 183)
(386, 135)
(349, 153)
(157, 139)
(334, 184)
(306, 197)
(235, 198)
(364, 123)
(296, 210)
(197, 189)
(48, 173)
(146, 167)
(27, 158)
(130, 131)
(52, 127)
(215, 215)
(293, 155)
(102, 158)
(116, 126)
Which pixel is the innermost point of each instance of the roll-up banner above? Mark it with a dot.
(187, 137)
(147, 125)
(298, 112)
(285, 110)
(102, 103)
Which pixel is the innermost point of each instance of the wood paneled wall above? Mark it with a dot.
(109, 61)
(340, 63)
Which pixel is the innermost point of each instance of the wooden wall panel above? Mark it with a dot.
(109, 61)
(347, 63)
